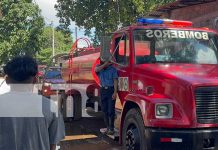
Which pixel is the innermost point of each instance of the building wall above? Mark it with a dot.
(202, 15)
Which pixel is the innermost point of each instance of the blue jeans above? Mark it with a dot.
(108, 106)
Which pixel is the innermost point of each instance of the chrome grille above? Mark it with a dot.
(207, 104)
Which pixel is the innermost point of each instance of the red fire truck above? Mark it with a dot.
(168, 84)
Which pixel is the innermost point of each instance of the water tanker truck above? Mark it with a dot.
(168, 84)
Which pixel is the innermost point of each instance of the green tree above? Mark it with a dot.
(21, 27)
(104, 15)
(63, 41)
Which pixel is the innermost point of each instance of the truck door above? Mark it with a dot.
(122, 56)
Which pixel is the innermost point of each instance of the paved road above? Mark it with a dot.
(85, 135)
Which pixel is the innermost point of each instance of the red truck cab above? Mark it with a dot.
(168, 85)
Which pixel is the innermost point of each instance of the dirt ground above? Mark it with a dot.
(84, 134)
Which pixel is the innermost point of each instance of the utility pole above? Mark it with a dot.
(76, 34)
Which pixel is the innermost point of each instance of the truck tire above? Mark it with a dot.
(62, 102)
(133, 133)
(77, 106)
(63, 105)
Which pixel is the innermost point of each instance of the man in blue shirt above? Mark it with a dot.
(109, 83)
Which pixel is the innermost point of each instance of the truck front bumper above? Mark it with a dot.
(182, 139)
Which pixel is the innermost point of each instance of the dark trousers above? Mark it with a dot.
(108, 106)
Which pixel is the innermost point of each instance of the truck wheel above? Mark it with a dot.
(63, 104)
(77, 106)
(133, 133)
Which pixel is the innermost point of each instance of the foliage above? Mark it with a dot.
(104, 15)
(21, 26)
(63, 42)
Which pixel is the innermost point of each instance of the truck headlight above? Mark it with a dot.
(164, 110)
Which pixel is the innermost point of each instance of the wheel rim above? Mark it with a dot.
(132, 138)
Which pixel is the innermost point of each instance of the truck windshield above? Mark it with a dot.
(175, 46)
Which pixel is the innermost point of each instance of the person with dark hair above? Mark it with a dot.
(108, 77)
(21, 69)
(27, 121)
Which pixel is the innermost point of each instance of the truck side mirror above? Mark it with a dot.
(105, 47)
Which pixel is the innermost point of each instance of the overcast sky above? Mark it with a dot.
(49, 13)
